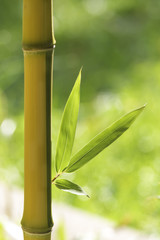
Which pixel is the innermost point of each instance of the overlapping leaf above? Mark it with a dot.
(102, 140)
(69, 186)
(68, 127)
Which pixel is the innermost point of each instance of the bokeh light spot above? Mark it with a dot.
(8, 127)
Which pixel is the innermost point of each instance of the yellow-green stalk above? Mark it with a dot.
(38, 44)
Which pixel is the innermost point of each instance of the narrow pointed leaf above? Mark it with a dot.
(68, 127)
(69, 186)
(102, 140)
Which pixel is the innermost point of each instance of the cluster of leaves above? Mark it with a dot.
(64, 163)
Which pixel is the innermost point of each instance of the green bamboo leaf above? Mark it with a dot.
(69, 186)
(68, 127)
(102, 140)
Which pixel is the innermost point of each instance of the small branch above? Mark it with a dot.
(56, 177)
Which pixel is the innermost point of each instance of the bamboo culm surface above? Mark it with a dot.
(38, 45)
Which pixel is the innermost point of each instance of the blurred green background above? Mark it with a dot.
(118, 44)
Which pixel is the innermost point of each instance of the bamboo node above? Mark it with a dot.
(37, 51)
(36, 236)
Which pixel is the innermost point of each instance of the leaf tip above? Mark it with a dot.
(145, 105)
(140, 109)
(80, 75)
(78, 80)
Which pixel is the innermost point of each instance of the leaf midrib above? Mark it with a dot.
(91, 149)
(66, 137)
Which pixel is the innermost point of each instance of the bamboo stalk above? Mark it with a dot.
(38, 43)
